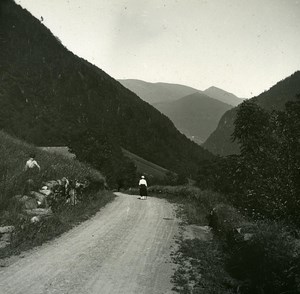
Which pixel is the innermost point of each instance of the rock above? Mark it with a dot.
(35, 219)
(41, 198)
(3, 244)
(248, 236)
(39, 211)
(30, 203)
(7, 229)
(45, 192)
(202, 233)
(6, 237)
(51, 184)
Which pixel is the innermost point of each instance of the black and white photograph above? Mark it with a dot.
(149, 146)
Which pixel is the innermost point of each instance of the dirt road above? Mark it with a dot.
(125, 248)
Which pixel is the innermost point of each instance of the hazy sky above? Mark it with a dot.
(241, 46)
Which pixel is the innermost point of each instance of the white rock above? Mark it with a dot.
(35, 219)
(7, 229)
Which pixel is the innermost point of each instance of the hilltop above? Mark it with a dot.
(157, 92)
(195, 115)
(223, 96)
(219, 142)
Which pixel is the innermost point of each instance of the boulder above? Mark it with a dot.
(35, 219)
(7, 229)
(40, 197)
(39, 212)
(28, 202)
(45, 192)
(51, 184)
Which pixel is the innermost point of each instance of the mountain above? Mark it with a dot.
(223, 96)
(195, 115)
(51, 97)
(219, 142)
(157, 92)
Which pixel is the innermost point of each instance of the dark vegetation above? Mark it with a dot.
(50, 97)
(219, 142)
(262, 183)
(196, 115)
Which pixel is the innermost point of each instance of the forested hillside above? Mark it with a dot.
(51, 97)
(275, 98)
(195, 115)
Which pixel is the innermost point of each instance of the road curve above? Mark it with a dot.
(124, 248)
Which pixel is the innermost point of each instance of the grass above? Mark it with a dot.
(13, 156)
(146, 167)
(201, 269)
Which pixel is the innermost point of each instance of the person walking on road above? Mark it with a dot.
(143, 188)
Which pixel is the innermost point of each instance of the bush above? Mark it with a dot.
(268, 262)
(263, 255)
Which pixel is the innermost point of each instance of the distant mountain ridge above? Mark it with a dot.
(51, 97)
(157, 92)
(195, 115)
(163, 92)
(197, 120)
(223, 96)
(219, 142)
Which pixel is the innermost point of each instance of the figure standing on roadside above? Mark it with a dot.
(143, 188)
(31, 170)
(31, 164)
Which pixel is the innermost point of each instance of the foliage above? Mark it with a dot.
(265, 177)
(275, 98)
(262, 255)
(268, 262)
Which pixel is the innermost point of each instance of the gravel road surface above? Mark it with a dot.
(124, 248)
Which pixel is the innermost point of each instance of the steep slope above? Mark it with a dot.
(195, 115)
(51, 97)
(157, 92)
(223, 96)
(275, 98)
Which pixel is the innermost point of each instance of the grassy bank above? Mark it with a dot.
(28, 235)
(13, 156)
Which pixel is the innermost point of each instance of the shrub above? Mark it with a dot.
(268, 262)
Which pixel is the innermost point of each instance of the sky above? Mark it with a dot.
(241, 46)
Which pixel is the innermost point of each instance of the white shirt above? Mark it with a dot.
(142, 182)
(31, 163)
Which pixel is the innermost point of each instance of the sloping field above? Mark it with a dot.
(146, 167)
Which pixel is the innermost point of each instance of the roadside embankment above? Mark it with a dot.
(52, 200)
(244, 256)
